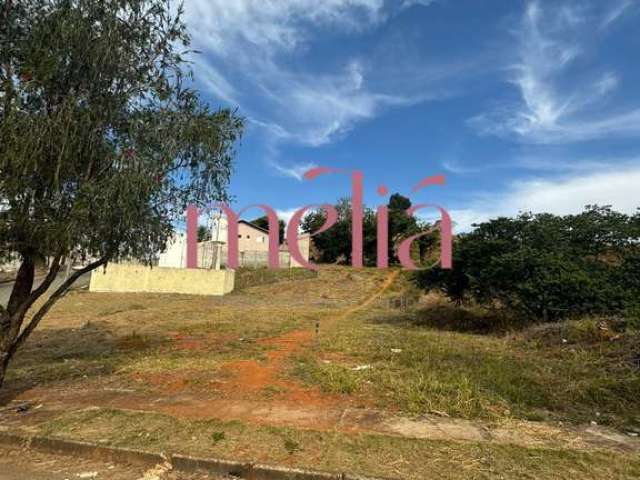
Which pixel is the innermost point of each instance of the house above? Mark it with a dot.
(253, 248)
(251, 238)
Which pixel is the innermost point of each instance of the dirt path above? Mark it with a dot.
(249, 377)
(246, 382)
(321, 418)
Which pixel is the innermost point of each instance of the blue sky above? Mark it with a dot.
(523, 105)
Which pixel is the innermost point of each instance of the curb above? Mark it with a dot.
(183, 463)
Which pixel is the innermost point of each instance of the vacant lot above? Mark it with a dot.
(404, 392)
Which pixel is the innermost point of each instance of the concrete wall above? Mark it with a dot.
(304, 244)
(140, 278)
(176, 253)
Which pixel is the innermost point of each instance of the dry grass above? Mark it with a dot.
(417, 361)
(427, 359)
(357, 453)
(118, 338)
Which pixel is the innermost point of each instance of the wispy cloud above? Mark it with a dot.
(226, 27)
(411, 3)
(550, 41)
(616, 11)
(217, 83)
(286, 214)
(295, 171)
(253, 46)
(561, 196)
(544, 163)
(460, 168)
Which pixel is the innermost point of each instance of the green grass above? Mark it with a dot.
(377, 455)
(331, 378)
(534, 374)
(461, 362)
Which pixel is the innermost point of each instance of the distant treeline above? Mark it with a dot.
(334, 245)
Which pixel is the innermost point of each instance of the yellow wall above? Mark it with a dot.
(139, 278)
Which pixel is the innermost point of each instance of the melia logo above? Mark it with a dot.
(357, 190)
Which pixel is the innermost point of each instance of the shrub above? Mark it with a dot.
(546, 266)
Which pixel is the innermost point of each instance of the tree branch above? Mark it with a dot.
(24, 306)
(55, 296)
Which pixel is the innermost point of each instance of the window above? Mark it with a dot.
(248, 236)
(239, 236)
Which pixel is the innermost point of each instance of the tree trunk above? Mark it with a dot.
(12, 336)
(6, 340)
(4, 364)
(23, 284)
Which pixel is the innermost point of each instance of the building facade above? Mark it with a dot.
(253, 247)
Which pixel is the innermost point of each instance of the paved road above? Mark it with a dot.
(5, 288)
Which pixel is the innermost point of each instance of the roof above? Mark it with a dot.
(254, 226)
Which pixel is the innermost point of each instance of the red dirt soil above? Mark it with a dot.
(256, 391)
(251, 377)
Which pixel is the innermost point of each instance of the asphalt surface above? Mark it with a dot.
(5, 288)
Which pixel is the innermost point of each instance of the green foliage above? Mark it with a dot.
(204, 234)
(547, 266)
(103, 143)
(400, 224)
(334, 245)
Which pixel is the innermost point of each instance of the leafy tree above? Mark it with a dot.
(402, 226)
(103, 142)
(204, 234)
(263, 222)
(334, 245)
(547, 266)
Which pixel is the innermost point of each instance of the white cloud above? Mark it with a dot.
(286, 214)
(460, 168)
(296, 171)
(618, 9)
(544, 162)
(563, 196)
(549, 43)
(411, 3)
(250, 49)
(226, 27)
(315, 110)
(217, 83)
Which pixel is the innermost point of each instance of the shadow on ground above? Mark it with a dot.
(453, 318)
(56, 357)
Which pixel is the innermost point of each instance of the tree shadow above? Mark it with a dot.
(60, 355)
(454, 318)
